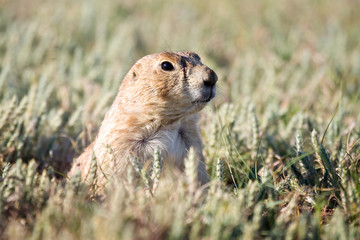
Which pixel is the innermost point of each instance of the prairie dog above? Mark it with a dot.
(156, 107)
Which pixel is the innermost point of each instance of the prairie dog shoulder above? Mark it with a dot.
(156, 107)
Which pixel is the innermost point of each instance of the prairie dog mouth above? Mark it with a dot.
(206, 96)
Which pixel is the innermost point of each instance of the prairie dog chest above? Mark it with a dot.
(173, 143)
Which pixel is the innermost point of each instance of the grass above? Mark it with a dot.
(281, 140)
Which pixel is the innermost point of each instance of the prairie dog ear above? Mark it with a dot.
(135, 72)
(134, 75)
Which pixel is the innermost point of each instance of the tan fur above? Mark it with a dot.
(154, 108)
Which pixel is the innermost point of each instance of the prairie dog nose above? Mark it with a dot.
(212, 78)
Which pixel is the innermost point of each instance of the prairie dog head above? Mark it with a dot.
(171, 84)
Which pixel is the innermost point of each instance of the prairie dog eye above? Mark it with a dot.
(167, 66)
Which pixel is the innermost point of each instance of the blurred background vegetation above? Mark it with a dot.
(281, 138)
